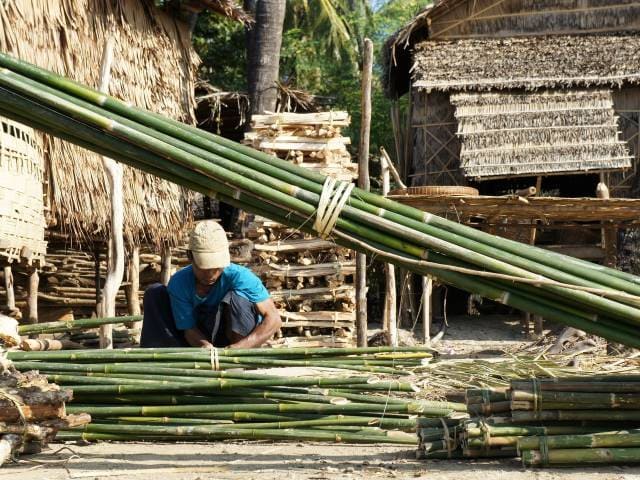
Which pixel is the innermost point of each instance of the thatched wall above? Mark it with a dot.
(550, 62)
(154, 68)
(547, 132)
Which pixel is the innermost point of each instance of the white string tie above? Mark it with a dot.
(332, 199)
(215, 359)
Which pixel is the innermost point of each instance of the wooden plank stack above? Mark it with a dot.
(312, 140)
(310, 279)
(32, 410)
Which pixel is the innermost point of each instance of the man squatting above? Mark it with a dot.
(210, 303)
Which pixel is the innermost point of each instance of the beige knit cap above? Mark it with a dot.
(209, 245)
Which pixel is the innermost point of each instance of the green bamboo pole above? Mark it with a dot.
(576, 415)
(594, 440)
(588, 327)
(222, 432)
(581, 456)
(227, 148)
(70, 325)
(531, 430)
(584, 385)
(600, 333)
(168, 410)
(619, 310)
(606, 400)
(200, 354)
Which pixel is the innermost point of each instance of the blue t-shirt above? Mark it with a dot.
(184, 300)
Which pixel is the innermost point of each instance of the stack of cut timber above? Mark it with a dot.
(312, 140)
(31, 412)
(311, 280)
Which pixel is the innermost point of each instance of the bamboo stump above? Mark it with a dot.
(165, 272)
(132, 289)
(427, 313)
(8, 285)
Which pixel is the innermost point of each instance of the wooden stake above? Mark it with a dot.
(132, 290)
(427, 293)
(115, 264)
(8, 285)
(32, 300)
(363, 182)
(392, 169)
(390, 269)
(165, 270)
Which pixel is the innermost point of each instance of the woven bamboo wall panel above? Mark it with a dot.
(21, 204)
(515, 134)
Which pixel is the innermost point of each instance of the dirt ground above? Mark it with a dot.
(267, 461)
(466, 337)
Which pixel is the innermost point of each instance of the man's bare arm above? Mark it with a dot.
(270, 324)
(196, 338)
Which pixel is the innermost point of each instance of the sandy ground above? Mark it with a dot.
(466, 337)
(266, 461)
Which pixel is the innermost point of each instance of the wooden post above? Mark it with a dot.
(609, 234)
(96, 276)
(32, 300)
(8, 285)
(133, 289)
(363, 182)
(427, 315)
(390, 307)
(538, 321)
(115, 264)
(165, 269)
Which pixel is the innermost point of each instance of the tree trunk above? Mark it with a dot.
(263, 54)
(115, 264)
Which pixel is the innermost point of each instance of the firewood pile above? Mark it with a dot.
(312, 140)
(31, 412)
(311, 280)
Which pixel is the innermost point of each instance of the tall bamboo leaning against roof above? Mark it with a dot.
(591, 297)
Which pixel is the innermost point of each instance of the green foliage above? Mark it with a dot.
(220, 44)
(320, 54)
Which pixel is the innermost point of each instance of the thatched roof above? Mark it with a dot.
(510, 134)
(154, 68)
(485, 20)
(532, 62)
(396, 54)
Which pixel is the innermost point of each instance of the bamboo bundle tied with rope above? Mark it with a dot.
(596, 299)
(186, 394)
(592, 419)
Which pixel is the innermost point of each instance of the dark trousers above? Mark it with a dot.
(235, 313)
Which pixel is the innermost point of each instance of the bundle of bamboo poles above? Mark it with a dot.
(593, 298)
(190, 394)
(32, 410)
(547, 422)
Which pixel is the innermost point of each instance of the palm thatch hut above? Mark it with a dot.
(154, 67)
(516, 88)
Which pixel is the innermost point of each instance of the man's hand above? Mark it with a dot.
(196, 338)
(270, 324)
